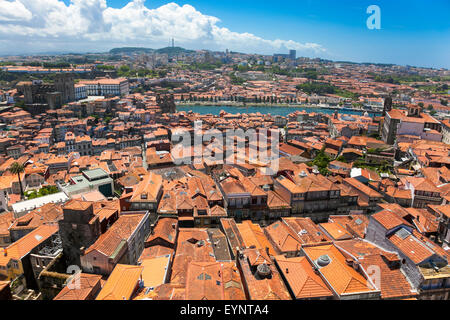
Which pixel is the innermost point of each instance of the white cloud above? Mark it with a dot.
(83, 25)
(13, 11)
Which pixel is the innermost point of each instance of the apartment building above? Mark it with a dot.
(106, 87)
(346, 279)
(423, 191)
(15, 259)
(146, 195)
(368, 197)
(313, 195)
(122, 243)
(400, 125)
(260, 278)
(80, 92)
(423, 262)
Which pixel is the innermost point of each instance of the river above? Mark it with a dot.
(282, 111)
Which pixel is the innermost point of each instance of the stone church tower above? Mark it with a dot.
(166, 103)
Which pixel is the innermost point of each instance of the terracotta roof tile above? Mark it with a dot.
(302, 279)
(89, 284)
(121, 284)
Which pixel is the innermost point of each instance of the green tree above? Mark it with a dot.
(321, 161)
(17, 168)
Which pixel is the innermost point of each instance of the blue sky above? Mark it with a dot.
(414, 32)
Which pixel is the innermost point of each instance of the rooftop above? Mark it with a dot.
(304, 282)
(122, 283)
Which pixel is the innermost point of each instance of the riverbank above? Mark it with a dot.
(215, 109)
(238, 104)
(241, 105)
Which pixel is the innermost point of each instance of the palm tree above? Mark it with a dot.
(18, 168)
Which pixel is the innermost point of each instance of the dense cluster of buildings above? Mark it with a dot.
(107, 205)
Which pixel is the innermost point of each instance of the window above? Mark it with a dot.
(15, 264)
(436, 284)
(447, 283)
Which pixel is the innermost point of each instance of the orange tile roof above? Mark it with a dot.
(444, 210)
(355, 224)
(77, 205)
(155, 270)
(422, 184)
(166, 229)
(362, 187)
(283, 238)
(411, 246)
(24, 245)
(193, 245)
(275, 201)
(121, 230)
(336, 230)
(150, 186)
(122, 283)
(302, 279)
(154, 252)
(214, 281)
(253, 235)
(47, 213)
(6, 220)
(87, 282)
(393, 283)
(388, 219)
(344, 279)
(168, 291)
(272, 288)
(307, 231)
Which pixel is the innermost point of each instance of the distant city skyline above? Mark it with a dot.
(412, 32)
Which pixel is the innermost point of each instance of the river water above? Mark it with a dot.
(282, 111)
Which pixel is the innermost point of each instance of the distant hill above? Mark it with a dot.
(130, 50)
(171, 51)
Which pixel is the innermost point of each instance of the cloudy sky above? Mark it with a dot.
(413, 32)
